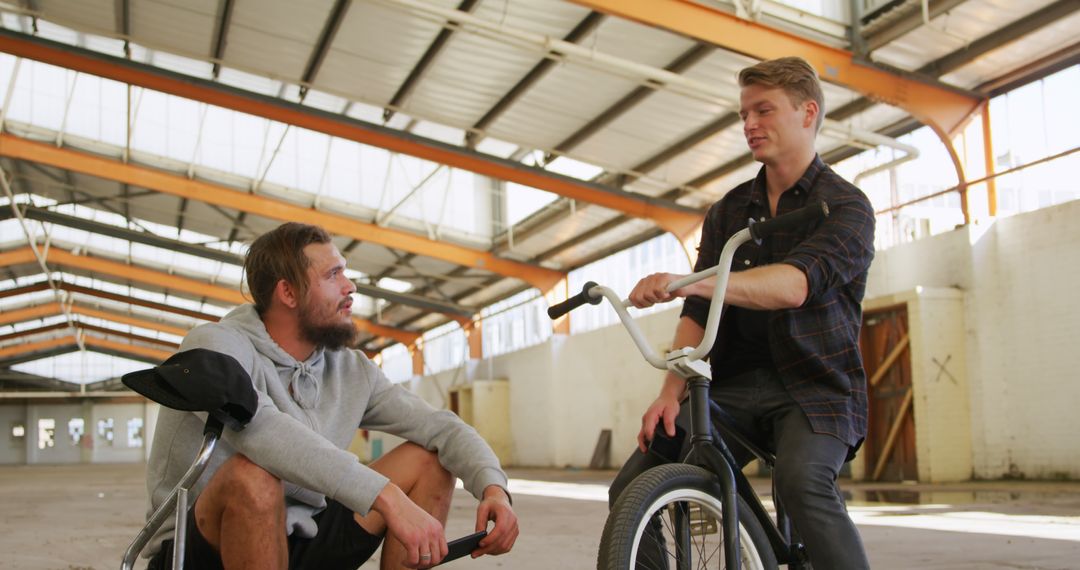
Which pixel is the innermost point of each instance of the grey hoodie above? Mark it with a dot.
(308, 414)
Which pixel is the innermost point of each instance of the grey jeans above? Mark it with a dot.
(807, 465)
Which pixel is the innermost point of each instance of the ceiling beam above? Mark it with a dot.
(64, 286)
(939, 106)
(582, 29)
(418, 70)
(48, 216)
(36, 346)
(997, 39)
(31, 332)
(672, 217)
(94, 328)
(156, 278)
(145, 238)
(54, 309)
(10, 379)
(272, 208)
(418, 301)
(217, 53)
(941, 66)
(148, 354)
(549, 216)
(680, 64)
(907, 24)
(326, 38)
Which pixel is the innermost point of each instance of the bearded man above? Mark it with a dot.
(284, 493)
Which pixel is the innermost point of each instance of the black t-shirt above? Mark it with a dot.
(746, 347)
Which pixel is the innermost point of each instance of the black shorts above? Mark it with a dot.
(340, 543)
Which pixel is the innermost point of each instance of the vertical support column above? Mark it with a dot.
(690, 244)
(988, 152)
(557, 294)
(474, 334)
(416, 350)
(961, 179)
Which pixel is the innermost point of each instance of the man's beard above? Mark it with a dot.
(333, 336)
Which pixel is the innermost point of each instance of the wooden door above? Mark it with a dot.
(890, 440)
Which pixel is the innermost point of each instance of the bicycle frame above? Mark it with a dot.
(687, 363)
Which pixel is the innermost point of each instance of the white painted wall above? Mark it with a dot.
(1021, 282)
(565, 391)
(1020, 276)
(12, 450)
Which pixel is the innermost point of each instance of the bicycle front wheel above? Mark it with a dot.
(671, 517)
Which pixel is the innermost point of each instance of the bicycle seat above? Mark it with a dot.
(199, 380)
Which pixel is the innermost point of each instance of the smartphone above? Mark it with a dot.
(462, 546)
(668, 448)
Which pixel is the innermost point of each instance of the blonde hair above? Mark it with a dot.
(792, 74)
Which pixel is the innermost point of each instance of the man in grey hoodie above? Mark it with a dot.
(283, 492)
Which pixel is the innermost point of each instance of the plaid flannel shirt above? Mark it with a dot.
(815, 347)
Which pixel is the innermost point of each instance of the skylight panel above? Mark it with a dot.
(523, 201)
(56, 32)
(27, 299)
(365, 112)
(183, 65)
(574, 168)
(449, 135)
(249, 81)
(396, 285)
(325, 101)
(496, 147)
(102, 44)
(81, 367)
(39, 323)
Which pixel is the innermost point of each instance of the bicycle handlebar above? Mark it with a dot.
(560, 309)
(592, 293)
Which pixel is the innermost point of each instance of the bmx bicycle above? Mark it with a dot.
(702, 512)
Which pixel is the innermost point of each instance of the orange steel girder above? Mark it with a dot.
(675, 220)
(99, 265)
(176, 185)
(54, 309)
(31, 347)
(943, 109)
(36, 346)
(151, 353)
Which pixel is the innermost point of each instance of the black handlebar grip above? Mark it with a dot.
(800, 217)
(560, 309)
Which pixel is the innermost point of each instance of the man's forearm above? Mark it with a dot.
(765, 288)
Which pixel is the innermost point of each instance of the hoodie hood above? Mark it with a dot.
(301, 377)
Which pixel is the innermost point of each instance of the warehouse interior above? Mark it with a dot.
(479, 160)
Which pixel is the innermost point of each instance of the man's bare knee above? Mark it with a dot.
(254, 487)
(242, 484)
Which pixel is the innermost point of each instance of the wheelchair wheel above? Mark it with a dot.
(670, 517)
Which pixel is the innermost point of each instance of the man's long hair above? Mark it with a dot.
(279, 254)
(792, 74)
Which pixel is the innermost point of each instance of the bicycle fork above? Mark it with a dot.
(702, 449)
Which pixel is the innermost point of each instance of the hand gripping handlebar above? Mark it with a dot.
(591, 293)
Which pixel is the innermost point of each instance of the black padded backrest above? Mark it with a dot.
(200, 380)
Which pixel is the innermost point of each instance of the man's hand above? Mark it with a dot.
(653, 289)
(665, 408)
(495, 506)
(419, 532)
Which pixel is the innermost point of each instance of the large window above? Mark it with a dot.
(621, 272)
(1029, 124)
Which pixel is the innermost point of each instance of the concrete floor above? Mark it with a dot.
(81, 517)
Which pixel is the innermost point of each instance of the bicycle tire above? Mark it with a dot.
(666, 488)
